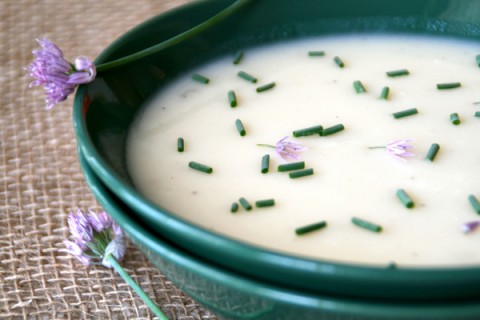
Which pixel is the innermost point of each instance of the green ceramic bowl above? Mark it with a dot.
(231, 295)
(104, 110)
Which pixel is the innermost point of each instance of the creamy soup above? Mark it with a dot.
(324, 82)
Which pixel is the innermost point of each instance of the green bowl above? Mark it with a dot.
(105, 108)
(232, 295)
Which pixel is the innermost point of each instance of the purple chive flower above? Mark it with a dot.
(470, 226)
(286, 148)
(58, 76)
(95, 236)
(398, 148)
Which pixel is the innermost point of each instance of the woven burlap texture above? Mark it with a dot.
(42, 181)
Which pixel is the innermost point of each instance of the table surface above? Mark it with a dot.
(41, 177)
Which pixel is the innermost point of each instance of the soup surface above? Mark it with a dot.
(350, 179)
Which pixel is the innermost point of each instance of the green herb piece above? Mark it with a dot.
(291, 166)
(199, 78)
(432, 152)
(265, 203)
(398, 73)
(316, 53)
(475, 203)
(310, 227)
(240, 127)
(385, 92)
(333, 129)
(307, 131)
(455, 119)
(339, 61)
(477, 59)
(238, 57)
(266, 87)
(366, 225)
(234, 207)
(405, 198)
(405, 113)
(450, 85)
(359, 88)
(300, 173)
(246, 76)
(477, 114)
(200, 167)
(265, 163)
(232, 98)
(245, 204)
(180, 144)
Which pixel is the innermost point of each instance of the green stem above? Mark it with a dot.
(265, 145)
(176, 39)
(377, 147)
(155, 309)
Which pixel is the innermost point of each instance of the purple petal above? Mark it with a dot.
(116, 248)
(470, 226)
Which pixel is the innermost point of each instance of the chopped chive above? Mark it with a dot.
(240, 127)
(307, 131)
(397, 73)
(385, 92)
(477, 114)
(300, 173)
(291, 166)
(266, 87)
(450, 85)
(246, 76)
(199, 78)
(232, 98)
(405, 198)
(316, 53)
(405, 113)
(455, 119)
(265, 203)
(432, 152)
(234, 207)
(310, 227)
(180, 144)
(200, 167)
(333, 129)
(475, 203)
(359, 88)
(238, 57)
(366, 225)
(245, 204)
(265, 163)
(477, 59)
(339, 61)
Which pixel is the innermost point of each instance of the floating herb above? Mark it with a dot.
(358, 86)
(477, 114)
(455, 119)
(405, 113)
(398, 73)
(232, 98)
(246, 76)
(245, 204)
(291, 166)
(449, 85)
(234, 207)
(432, 152)
(333, 129)
(300, 173)
(266, 87)
(285, 148)
(339, 62)
(405, 198)
(398, 148)
(265, 163)
(265, 203)
(385, 92)
(200, 167)
(238, 57)
(307, 131)
(310, 227)
(475, 203)
(316, 53)
(199, 78)
(367, 225)
(240, 127)
(180, 144)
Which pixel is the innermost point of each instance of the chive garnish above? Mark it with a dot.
(200, 167)
(265, 163)
(333, 129)
(266, 87)
(455, 119)
(397, 73)
(432, 152)
(339, 61)
(477, 114)
(316, 53)
(291, 166)
(475, 203)
(300, 173)
(366, 225)
(246, 76)
(199, 78)
(307, 131)
(240, 127)
(232, 98)
(265, 203)
(359, 88)
(180, 144)
(385, 92)
(310, 227)
(477, 59)
(405, 198)
(405, 113)
(449, 85)
(238, 57)
(234, 207)
(245, 204)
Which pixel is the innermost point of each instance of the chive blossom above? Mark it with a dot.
(232, 98)
(238, 57)
(385, 92)
(240, 127)
(180, 144)
(266, 87)
(449, 85)
(432, 152)
(316, 53)
(397, 73)
(265, 163)
(475, 203)
(265, 203)
(307, 131)
(234, 207)
(310, 227)
(300, 173)
(359, 88)
(245, 204)
(246, 76)
(199, 78)
(455, 119)
(366, 225)
(405, 198)
(200, 167)
(339, 62)
(333, 129)
(405, 113)
(291, 166)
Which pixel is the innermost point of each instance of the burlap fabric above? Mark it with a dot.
(41, 178)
